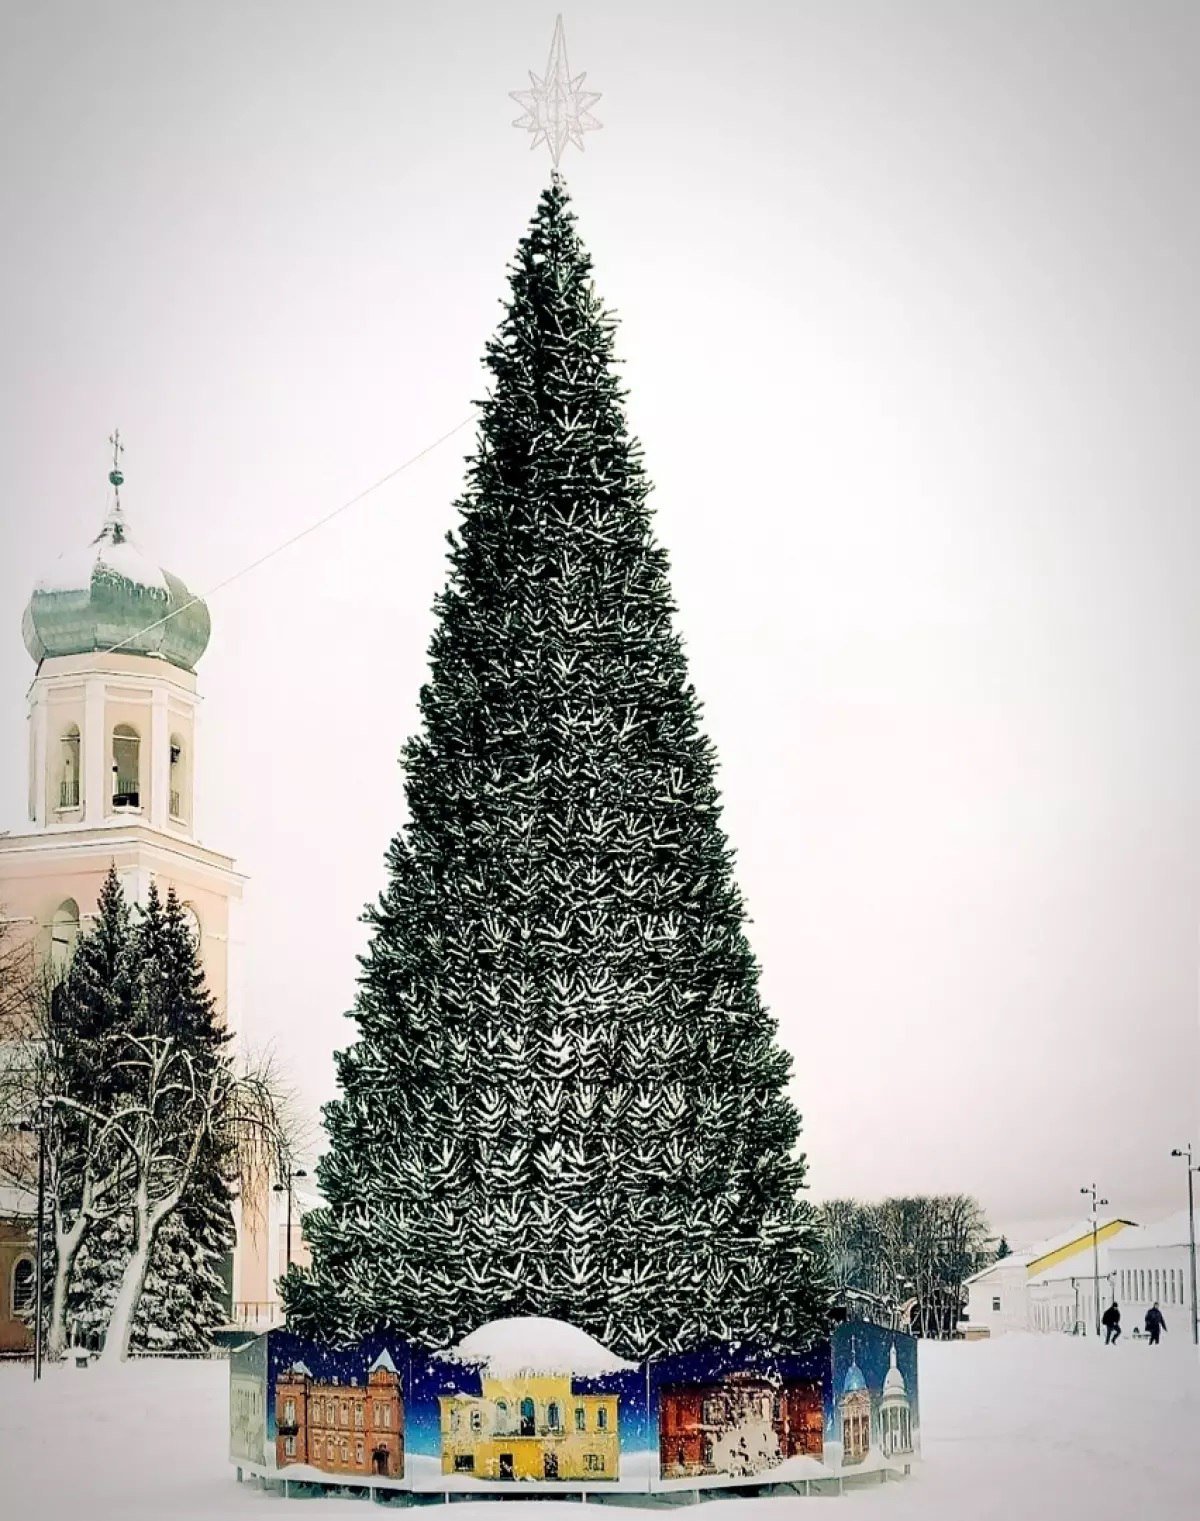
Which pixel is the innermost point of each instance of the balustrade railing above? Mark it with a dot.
(68, 794)
(126, 793)
(256, 1314)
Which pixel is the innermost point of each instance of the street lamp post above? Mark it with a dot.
(1186, 1151)
(38, 1127)
(1095, 1253)
(286, 1187)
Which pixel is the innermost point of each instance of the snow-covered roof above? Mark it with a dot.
(1077, 1236)
(1013, 1260)
(1079, 1264)
(383, 1363)
(75, 569)
(537, 1344)
(1173, 1231)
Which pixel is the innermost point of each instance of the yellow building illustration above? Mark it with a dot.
(530, 1427)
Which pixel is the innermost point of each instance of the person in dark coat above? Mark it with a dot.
(1155, 1324)
(1111, 1321)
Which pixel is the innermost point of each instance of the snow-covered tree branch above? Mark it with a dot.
(178, 1107)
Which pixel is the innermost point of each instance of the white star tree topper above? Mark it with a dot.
(557, 109)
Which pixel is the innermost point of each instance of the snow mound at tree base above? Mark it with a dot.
(529, 1344)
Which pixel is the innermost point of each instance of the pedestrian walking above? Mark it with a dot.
(1155, 1324)
(1111, 1321)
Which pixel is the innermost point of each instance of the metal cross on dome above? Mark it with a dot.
(557, 109)
(115, 475)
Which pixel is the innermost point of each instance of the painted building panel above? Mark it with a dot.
(248, 1402)
(336, 1414)
(734, 1415)
(539, 1403)
(530, 1417)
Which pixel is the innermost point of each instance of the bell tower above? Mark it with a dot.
(116, 773)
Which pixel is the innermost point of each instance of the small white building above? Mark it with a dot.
(1151, 1265)
(997, 1297)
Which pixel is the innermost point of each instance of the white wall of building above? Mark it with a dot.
(1152, 1266)
(997, 1301)
(1067, 1303)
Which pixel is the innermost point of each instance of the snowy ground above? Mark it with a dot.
(1040, 1428)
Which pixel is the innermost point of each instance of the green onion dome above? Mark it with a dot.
(113, 594)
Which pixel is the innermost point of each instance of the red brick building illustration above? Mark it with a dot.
(743, 1425)
(341, 1428)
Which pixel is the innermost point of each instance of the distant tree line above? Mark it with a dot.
(905, 1262)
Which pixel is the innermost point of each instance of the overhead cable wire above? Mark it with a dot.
(295, 539)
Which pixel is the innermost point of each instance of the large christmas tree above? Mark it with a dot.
(565, 1097)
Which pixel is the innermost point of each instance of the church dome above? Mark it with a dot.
(893, 1384)
(113, 594)
(854, 1380)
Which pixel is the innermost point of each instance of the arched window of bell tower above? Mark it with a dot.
(68, 769)
(64, 931)
(126, 767)
(179, 782)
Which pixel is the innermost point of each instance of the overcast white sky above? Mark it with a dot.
(909, 306)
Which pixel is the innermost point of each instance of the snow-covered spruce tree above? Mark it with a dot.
(181, 1305)
(89, 1011)
(178, 1302)
(565, 1097)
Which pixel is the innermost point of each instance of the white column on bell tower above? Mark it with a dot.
(95, 752)
(41, 726)
(193, 805)
(160, 759)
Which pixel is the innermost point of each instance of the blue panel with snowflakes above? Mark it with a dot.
(874, 1423)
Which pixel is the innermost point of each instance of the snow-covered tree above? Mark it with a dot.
(171, 1109)
(148, 1129)
(85, 1017)
(905, 1257)
(138, 1045)
(176, 1084)
(565, 1096)
(182, 1302)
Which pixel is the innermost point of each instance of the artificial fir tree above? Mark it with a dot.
(565, 1097)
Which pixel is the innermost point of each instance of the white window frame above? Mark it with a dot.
(15, 1309)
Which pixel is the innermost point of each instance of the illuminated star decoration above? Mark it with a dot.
(557, 110)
